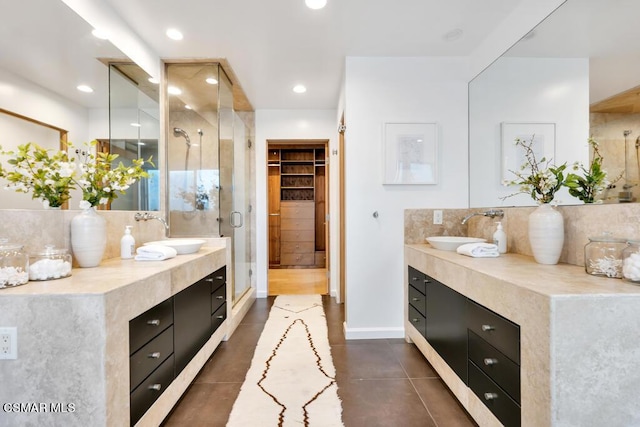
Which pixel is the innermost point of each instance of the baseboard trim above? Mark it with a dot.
(371, 333)
(262, 294)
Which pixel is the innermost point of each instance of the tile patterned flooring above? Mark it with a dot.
(382, 383)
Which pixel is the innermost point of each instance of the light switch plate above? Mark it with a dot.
(437, 217)
(8, 342)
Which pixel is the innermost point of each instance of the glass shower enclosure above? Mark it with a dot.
(207, 154)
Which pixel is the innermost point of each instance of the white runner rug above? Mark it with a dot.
(291, 381)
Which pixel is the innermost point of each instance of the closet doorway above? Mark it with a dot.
(298, 178)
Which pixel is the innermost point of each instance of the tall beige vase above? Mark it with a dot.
(546, 234)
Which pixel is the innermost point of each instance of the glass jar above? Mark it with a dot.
(49, 264)
(603, 255)
(631, 262)
(14, 264)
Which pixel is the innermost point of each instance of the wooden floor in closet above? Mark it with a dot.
(297, 281)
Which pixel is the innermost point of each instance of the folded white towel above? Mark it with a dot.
(479, 250)
(155, 253)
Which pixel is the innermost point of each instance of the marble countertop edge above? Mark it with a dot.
(553, 281)
(111, 275)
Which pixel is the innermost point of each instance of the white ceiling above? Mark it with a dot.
(271, 44)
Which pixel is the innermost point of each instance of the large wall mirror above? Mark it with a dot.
(44, 57)
(572, 77)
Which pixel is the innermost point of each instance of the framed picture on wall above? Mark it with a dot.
(410, 153)
(542, 135)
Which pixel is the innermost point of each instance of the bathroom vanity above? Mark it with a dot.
(89, 344)
(520, 343)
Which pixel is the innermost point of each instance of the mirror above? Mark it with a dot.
(567, 80)
(45, 56)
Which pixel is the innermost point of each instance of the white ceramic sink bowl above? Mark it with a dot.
(182, 246)
(451, 243)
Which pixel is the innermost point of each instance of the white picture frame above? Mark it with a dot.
(410, 153)
(544, 144)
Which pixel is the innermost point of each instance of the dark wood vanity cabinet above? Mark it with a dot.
(480, 346)
(164, 339)
(446, 329)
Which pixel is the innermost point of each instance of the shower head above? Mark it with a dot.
(183, 133)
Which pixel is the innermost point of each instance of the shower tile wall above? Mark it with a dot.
(608, 130)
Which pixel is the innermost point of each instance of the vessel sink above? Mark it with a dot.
(182, 246)
(451, 243)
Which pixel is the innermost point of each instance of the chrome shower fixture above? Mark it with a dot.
(183, 133)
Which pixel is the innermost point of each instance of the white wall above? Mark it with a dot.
(524, 90)
(380, 90)
(290, 124)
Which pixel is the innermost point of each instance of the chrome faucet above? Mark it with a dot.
(491, 213)
(146, 216)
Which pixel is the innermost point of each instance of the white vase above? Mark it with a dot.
(546, 234)
(88, 237)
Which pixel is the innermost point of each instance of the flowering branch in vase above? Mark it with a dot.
(541, 179)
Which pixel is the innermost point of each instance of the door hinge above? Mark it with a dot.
(342, 128)
(326, 217)
(249, 143)
(250, 272)
(250, 208)
(328, 274)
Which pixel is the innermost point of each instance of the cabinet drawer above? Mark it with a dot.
(297, 224)
(297, 210)
(418, 301)
(297, 247)
(297, 236)
(218, 298)
(497, 400)
(150, 356)
(496, 330)
(417, 320)
(218, 318)
(149, 324)
(150, 389)
(217, 278)
(417, 280)
(496, 365)
(297, 259)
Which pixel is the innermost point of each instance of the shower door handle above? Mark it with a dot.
(233, 216)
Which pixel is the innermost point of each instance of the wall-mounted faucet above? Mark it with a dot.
(146, 216)
(491, 213)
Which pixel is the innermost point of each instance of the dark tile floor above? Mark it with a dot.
(380, 382)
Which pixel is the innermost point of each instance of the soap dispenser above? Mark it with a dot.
(127, 244)
(500, 238)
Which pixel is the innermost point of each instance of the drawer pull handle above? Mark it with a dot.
(219, 297)
(414, 279)
(427, 281)
(415, 299)
(154, 355)
(154, 322)
(220, 317)
(490, 396)
(219, 277)
(209, 279)
(487, 328)
(156, 387)
(414, 320)
(489, 361)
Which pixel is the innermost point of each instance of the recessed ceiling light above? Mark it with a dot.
(100, 34)
(211, 81)
(136, 125)
(153, 80)
(299, 89)
(188, 107)
(84, 88)
(174, 90)
(452, 35)
(174, 34)
(315, 4)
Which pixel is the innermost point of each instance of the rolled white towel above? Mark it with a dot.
(155, 253)
(479, 250)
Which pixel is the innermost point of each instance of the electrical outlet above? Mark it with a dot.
(8, 342)
(437, 217)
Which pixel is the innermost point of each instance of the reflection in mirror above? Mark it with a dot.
(567, 72)
(134, 132)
